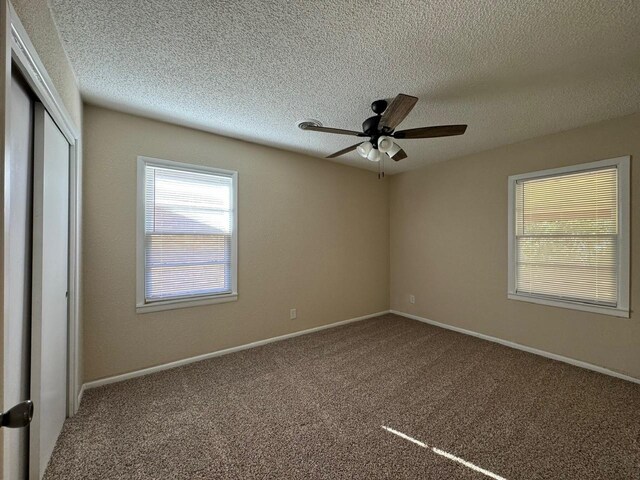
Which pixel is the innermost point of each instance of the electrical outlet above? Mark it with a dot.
(412, 299)
(293, 314)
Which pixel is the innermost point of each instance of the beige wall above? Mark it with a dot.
(449, 247)
(37, 20)
(313, 235)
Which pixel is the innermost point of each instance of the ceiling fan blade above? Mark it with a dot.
(431, 132)
(343, 151)
(397, 111)
(400, 155)
(339, 131)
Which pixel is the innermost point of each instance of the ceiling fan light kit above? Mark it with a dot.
(364, 148)
(385, 143)
(380, 129)
(385, 146)
(395, 148)
(374, 155)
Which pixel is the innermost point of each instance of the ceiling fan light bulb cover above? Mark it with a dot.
(395, 148)
(385, 144)
(374, 155)
(364, 149)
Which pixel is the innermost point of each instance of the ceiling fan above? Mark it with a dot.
(381, 130)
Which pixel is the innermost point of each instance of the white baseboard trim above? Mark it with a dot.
(80, 393)
(518, 346)
(186, 361)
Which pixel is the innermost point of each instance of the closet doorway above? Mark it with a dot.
(36, 279)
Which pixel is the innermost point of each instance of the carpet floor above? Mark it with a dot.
(314, 407)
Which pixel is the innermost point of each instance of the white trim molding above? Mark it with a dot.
(524, 348)
(80, 394)
(218, 353)
(186, 302)
(26, 57)
(179, 363)
(621, 308)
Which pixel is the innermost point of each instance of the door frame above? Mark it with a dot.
(28, 62)
(5, 140)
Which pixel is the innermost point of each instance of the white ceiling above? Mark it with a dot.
(252, 69)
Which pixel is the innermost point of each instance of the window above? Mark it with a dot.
(569, 237)
(186, 235)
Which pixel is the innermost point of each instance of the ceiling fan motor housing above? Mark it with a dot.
(371, 128)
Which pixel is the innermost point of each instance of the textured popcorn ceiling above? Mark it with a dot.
(510, 69)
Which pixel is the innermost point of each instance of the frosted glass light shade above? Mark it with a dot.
(385, 144)
(364, 148)
(395, 148)
(374, 155)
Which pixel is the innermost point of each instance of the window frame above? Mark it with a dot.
(142, 306)
(623, 165)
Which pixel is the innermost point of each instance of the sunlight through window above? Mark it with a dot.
(442, 453)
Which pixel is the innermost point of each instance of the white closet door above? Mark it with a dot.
(17, 282)
(50, 285)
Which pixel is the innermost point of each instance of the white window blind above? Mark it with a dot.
(188, 233)
(566, 236)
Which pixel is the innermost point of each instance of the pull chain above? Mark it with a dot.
(381, 167)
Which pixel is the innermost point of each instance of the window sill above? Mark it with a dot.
(613, 311)
(185, 303)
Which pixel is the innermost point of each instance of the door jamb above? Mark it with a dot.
(26, 58)
(5, 96)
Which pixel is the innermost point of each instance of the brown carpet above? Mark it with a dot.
(314, 406)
